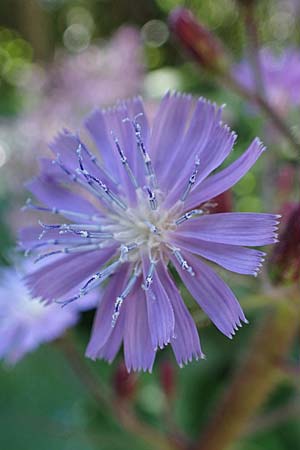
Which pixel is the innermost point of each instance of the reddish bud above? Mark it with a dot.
(167, 378)
(285, 259)
(222, 202)
(286, 181)
(124, 383)
(197, 40)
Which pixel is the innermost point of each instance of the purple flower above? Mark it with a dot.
(280, 77)
(138, 207)
(25, 322)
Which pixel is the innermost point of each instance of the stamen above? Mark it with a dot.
(124, 161)
(191, 181)
(121, 298)
(54, 242)
(95, 160)
(152, 227)
(125, 249)
(72, 175)
(95, 183)
(99, 277)
(149, 278)
(63, 212)
(70, 250)
(141, 146)
(183, 263)
(92, 283)
(152, 198)
(188, 215)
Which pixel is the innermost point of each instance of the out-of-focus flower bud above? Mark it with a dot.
(124, 383)
(197, 40)
(285, 259)
(286, 182)
(167, 379)
(223, 202)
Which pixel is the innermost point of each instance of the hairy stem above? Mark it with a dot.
(257, 376)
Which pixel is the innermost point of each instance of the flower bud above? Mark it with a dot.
(206, 49)
(167, 379)
(124, 383)
(285, 259)
(223, 202)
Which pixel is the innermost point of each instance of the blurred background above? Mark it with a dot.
(58, 60)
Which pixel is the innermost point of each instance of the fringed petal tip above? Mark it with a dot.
(139, 369)
(237, 326)
(194, 357)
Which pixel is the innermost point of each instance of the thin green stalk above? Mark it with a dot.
(101, 394)
(257, 376)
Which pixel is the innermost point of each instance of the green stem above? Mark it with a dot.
(264, 105)
(257, 376)
(123, 413)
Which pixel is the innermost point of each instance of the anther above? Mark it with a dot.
(191, 181)
(124, 161)
(183, 263)
(152, 198)
(149, 278)
(188, 216)
(121, 297)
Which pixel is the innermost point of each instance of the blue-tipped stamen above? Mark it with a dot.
(63, 212)
(141, 146)
(98, 185)
(149, 278)
(121, 297)
(183, 263)
(71, 250)
(152, 198)
(191, 181)
(188, 215)
(125, 163)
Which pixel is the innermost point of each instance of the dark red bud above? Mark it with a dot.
(167, 378)
(206, 48)
(222, 202)
(286, 180)
(124, 383)
(285, 259)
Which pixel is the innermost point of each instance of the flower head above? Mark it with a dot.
(25, 322)
(136, 207)
(280, 77)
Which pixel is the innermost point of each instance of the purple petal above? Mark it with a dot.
(232, 228)
(138, 348)
(55, 196)
(168, 132)
(223, 180)
(193, 143)
(54, 280)
(211, 154)
(212, 294)
(96, 125)
(160, 312)
(185, 343)
(232, 257)
(102, 326)
(113, 343)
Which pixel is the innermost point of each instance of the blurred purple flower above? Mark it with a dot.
(280, 77)
(25, 322)
(59, 94)
(140, 212)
